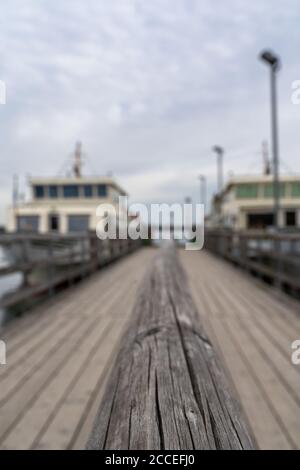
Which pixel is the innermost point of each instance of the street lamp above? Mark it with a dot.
(273, 62)
(203, 188)
(220, 153)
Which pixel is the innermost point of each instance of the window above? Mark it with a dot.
(70, 190)
(290, 219)
(260, 221)
(53, 191)
(53, 222)
(78, 223)
(295, 189)
(102, 190)
(27, 223)
(88, 190)
(246, 191)
(269, 190)
(39, 192)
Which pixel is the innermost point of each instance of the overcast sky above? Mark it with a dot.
(148, 86)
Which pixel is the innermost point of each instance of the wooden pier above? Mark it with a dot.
(61, 361)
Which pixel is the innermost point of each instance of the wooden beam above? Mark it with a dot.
(167, 389)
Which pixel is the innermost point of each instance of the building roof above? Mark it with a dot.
(261, 179)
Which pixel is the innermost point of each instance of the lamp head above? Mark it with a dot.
(219, 150)
(271, 59)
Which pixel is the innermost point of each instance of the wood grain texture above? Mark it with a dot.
(167, 389)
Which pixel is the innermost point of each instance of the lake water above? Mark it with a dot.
(7, 283)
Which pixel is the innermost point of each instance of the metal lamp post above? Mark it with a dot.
(220, 154)
(203, 189)
(273, 61)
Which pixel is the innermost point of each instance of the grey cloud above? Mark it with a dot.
(147, 86)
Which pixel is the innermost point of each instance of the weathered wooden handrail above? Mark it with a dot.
(274, 256)
(167, 389)
(62, 259)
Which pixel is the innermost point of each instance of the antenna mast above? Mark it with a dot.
(15, 195)
(266, 160)
(78, 161)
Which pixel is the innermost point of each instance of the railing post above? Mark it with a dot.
(71, 256)
(25, 248)
(93, 252)
(243, 250)
(50, 267)
(278, 263)
(83, 253)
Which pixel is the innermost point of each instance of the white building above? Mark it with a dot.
(247, 203)
(64, 204)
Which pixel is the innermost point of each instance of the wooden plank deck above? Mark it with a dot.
(58, 358)
(253, 329)
(59, 355)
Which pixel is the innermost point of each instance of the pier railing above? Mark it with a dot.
(51, 261)
(274, 257)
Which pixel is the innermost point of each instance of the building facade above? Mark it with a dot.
(64, 205)
(247, 202)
